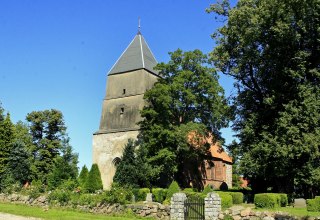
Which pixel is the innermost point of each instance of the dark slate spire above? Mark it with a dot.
(137, 56)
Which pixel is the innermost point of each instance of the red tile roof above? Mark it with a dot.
(215, 149)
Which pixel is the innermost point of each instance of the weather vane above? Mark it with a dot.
(139, 26)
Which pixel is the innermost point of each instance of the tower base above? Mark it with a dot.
(106, 148)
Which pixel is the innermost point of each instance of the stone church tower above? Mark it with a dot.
(129, 78)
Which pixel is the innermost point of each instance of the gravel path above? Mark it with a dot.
(4, 216)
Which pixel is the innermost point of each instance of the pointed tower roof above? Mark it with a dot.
(137, 56)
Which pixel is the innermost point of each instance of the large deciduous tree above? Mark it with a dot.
(186, 98)
(272, 49)
(51, 151)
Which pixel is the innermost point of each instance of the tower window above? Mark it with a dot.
(121, 111)
(124, 91)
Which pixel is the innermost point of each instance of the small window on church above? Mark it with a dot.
(121, 111)
(124, 91)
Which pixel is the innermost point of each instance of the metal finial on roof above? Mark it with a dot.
(139, 26)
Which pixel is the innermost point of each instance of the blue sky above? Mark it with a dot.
(56, 53)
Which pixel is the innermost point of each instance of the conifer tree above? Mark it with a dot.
(94, 181)
(130, 170)
(7, 135)
(83, 176)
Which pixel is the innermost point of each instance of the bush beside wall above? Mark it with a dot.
(237, 197)
(270, 200)
(140, 194)
(226, 199)
(313, 205)
(159, 194)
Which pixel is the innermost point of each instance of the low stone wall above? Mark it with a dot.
(146, 209)
(242, 213)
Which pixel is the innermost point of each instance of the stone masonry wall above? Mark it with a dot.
(229, 175)
(106, 147)
(212, 206)
(151, 209)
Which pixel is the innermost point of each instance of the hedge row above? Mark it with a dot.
(313, 205)
(270, 200)
(140, 194)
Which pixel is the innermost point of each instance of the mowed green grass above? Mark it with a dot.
(53, 213)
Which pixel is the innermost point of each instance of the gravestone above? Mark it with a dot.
(300, 203)
(149, 197)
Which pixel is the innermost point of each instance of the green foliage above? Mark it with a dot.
(130, 170)
(173, 188)
(82, 179)
(283, 199)
(313, 205)
(118, 194)
(187, 98)
(64, 168)
(94, 181)
(52, 154)
(267, 46)
(227, 217)
(207, 189)
(36, 189)
(59, 196)
(270, 200)
(141, 194)
(237, 197)
(192, 194)
(87, 199)
(20, 159)
(159, 194)
(226, 199)
(7, 135)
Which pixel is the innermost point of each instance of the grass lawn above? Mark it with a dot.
(24, 210)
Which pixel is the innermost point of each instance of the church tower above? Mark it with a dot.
(129, 78)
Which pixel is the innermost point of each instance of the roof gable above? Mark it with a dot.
(137, 56)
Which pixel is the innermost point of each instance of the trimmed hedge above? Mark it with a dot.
(270, 200)
(283, 199)
(207, 190)
(226, 199)
(140, 194)
(173, 188)
(159, 194)
(313, 205)
(237, 197)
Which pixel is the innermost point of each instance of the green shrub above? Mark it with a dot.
(82, 179)
(36, 189)
(267, 200)
(190, 193)
(94, 181)
(207, 189)
(227, 217)
(283, 199)
(117, 194)
(69, 185)
(226, 199)
(59, 196)
(90, 199)
(173, 188)
(237, 197)
(188, 190)
(313, 205)
(159, 194)
(140, 194)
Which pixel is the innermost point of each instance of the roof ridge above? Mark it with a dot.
(142, 58)
(137, 55)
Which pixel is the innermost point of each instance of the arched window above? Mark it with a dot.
(116, 161)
